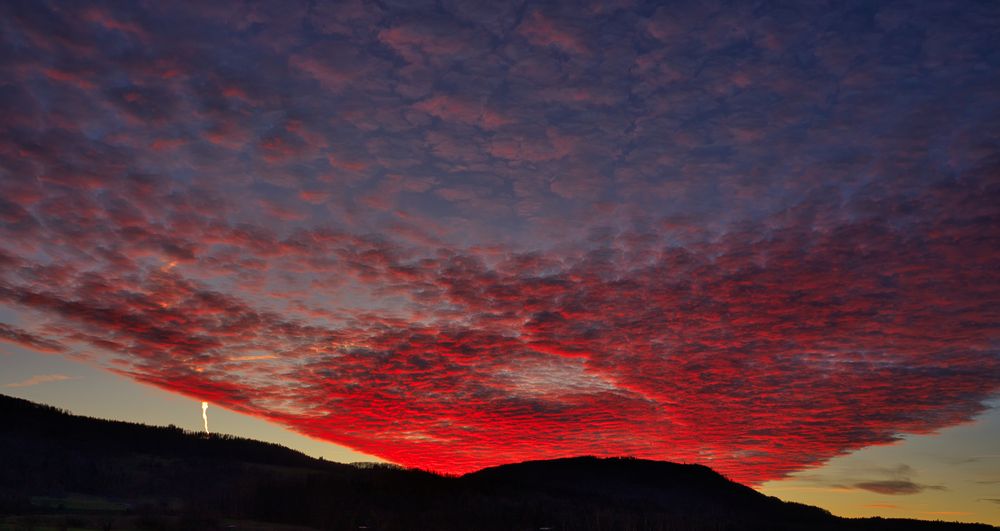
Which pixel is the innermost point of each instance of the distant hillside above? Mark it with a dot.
(63, 471)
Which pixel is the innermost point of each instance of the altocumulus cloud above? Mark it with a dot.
(463, 235)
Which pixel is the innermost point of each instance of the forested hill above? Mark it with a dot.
(60, 470)
(59, 430)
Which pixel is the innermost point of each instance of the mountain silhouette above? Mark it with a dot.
(59, 470)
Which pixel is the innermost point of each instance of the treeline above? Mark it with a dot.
(172, 479)
(52, 426)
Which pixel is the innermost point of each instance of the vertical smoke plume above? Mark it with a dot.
(204, 415)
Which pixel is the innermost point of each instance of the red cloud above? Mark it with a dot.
(542, 30)
(25, 339)
(754, 353)
(674, 242)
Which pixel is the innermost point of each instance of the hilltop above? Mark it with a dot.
(65, 471)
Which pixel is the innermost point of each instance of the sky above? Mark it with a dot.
(455, 234)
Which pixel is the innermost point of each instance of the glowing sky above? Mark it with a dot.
(458, 234)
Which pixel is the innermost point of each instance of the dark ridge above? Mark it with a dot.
(59, 471)
(630, 478)
(52, 427)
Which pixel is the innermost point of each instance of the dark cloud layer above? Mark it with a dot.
(468, 234)
(895, 487)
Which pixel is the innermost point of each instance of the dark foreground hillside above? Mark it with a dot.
(59, 471)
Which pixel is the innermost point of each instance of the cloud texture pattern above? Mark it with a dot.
(459, 234)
